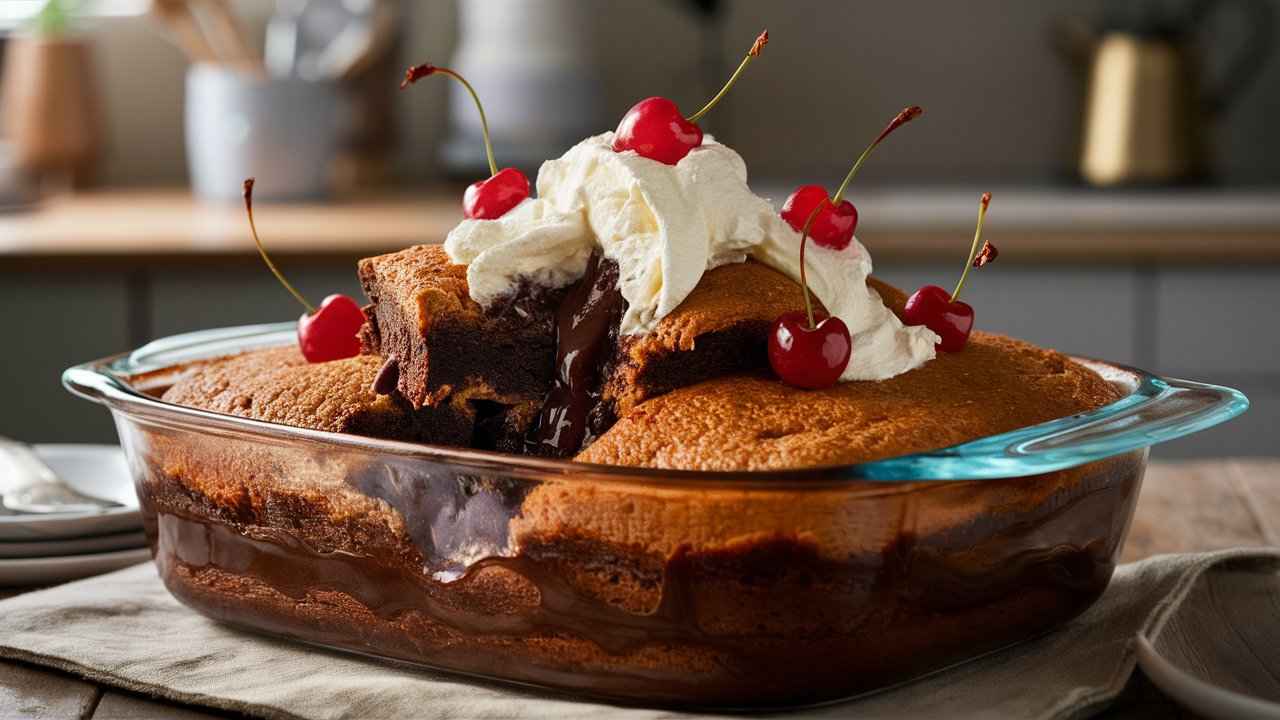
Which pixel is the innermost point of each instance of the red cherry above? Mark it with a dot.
(332, 331)
(834, 225)
(933, 307)
(492, 198)
(504, 189)
(655, 128)
(810, 358)
(941, 311)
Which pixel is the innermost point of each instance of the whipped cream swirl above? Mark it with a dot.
(665, 226)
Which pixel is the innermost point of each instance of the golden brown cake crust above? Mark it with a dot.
(424, 280)
(278, 385)
(443, 342)
(720, 328)
(730, 294)
(995, 385)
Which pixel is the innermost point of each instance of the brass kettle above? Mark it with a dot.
(1145, 110)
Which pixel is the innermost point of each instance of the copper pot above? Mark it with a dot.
(49, 108)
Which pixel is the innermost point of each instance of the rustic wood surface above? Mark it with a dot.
(148, 227)
(1184, 507)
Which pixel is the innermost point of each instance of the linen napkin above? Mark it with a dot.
(125, 630)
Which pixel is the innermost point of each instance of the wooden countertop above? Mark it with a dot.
(150, 226)
(1184, 507)
(146, 227)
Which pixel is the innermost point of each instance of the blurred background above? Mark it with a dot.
(1131, 149)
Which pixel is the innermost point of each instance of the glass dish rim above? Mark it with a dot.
(1055, 445)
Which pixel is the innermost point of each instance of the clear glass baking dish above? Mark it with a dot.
(707, 589)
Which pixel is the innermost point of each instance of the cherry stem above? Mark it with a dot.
(417, 72)
(804, 283)
(752, 54)
(248, 206)
(904, 117)
(973, 249)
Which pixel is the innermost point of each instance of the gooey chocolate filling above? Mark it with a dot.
(587, 323)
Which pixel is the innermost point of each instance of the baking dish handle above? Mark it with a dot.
(1161, 409)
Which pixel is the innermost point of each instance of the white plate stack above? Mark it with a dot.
(54, 548)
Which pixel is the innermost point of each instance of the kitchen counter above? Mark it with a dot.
(136, 227)
(145, 227)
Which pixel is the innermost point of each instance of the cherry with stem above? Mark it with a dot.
(655, 128)
(804, 351)
(491, 198)
(328, 332)
(976, 259)
(943, 312)
(754, 52)
(836, 223)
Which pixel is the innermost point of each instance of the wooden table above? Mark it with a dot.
(1184, 507)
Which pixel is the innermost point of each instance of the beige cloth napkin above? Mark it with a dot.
(124, 629)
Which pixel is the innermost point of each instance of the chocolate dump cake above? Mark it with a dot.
(645, 310)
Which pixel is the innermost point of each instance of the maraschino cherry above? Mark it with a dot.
(504, 189)
(655, 128)
(805, 353)
(330, 332)
(834, 226)
(939, 310)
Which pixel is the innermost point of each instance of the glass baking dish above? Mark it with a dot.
(707, 589)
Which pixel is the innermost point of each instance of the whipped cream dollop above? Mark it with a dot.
(533, 242)
(665, 226)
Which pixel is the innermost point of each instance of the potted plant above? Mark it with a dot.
(48, 101)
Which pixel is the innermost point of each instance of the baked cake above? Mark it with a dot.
(652, 591)
(633, 315)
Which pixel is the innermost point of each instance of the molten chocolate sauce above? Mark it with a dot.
(388, 376)
(586, 327)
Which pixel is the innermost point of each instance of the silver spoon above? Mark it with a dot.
(29, 486)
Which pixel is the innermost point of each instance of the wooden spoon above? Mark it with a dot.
(184, 30)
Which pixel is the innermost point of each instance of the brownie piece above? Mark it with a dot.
(278, 385)
(721, 328)
(443, 343)
(755, 422)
